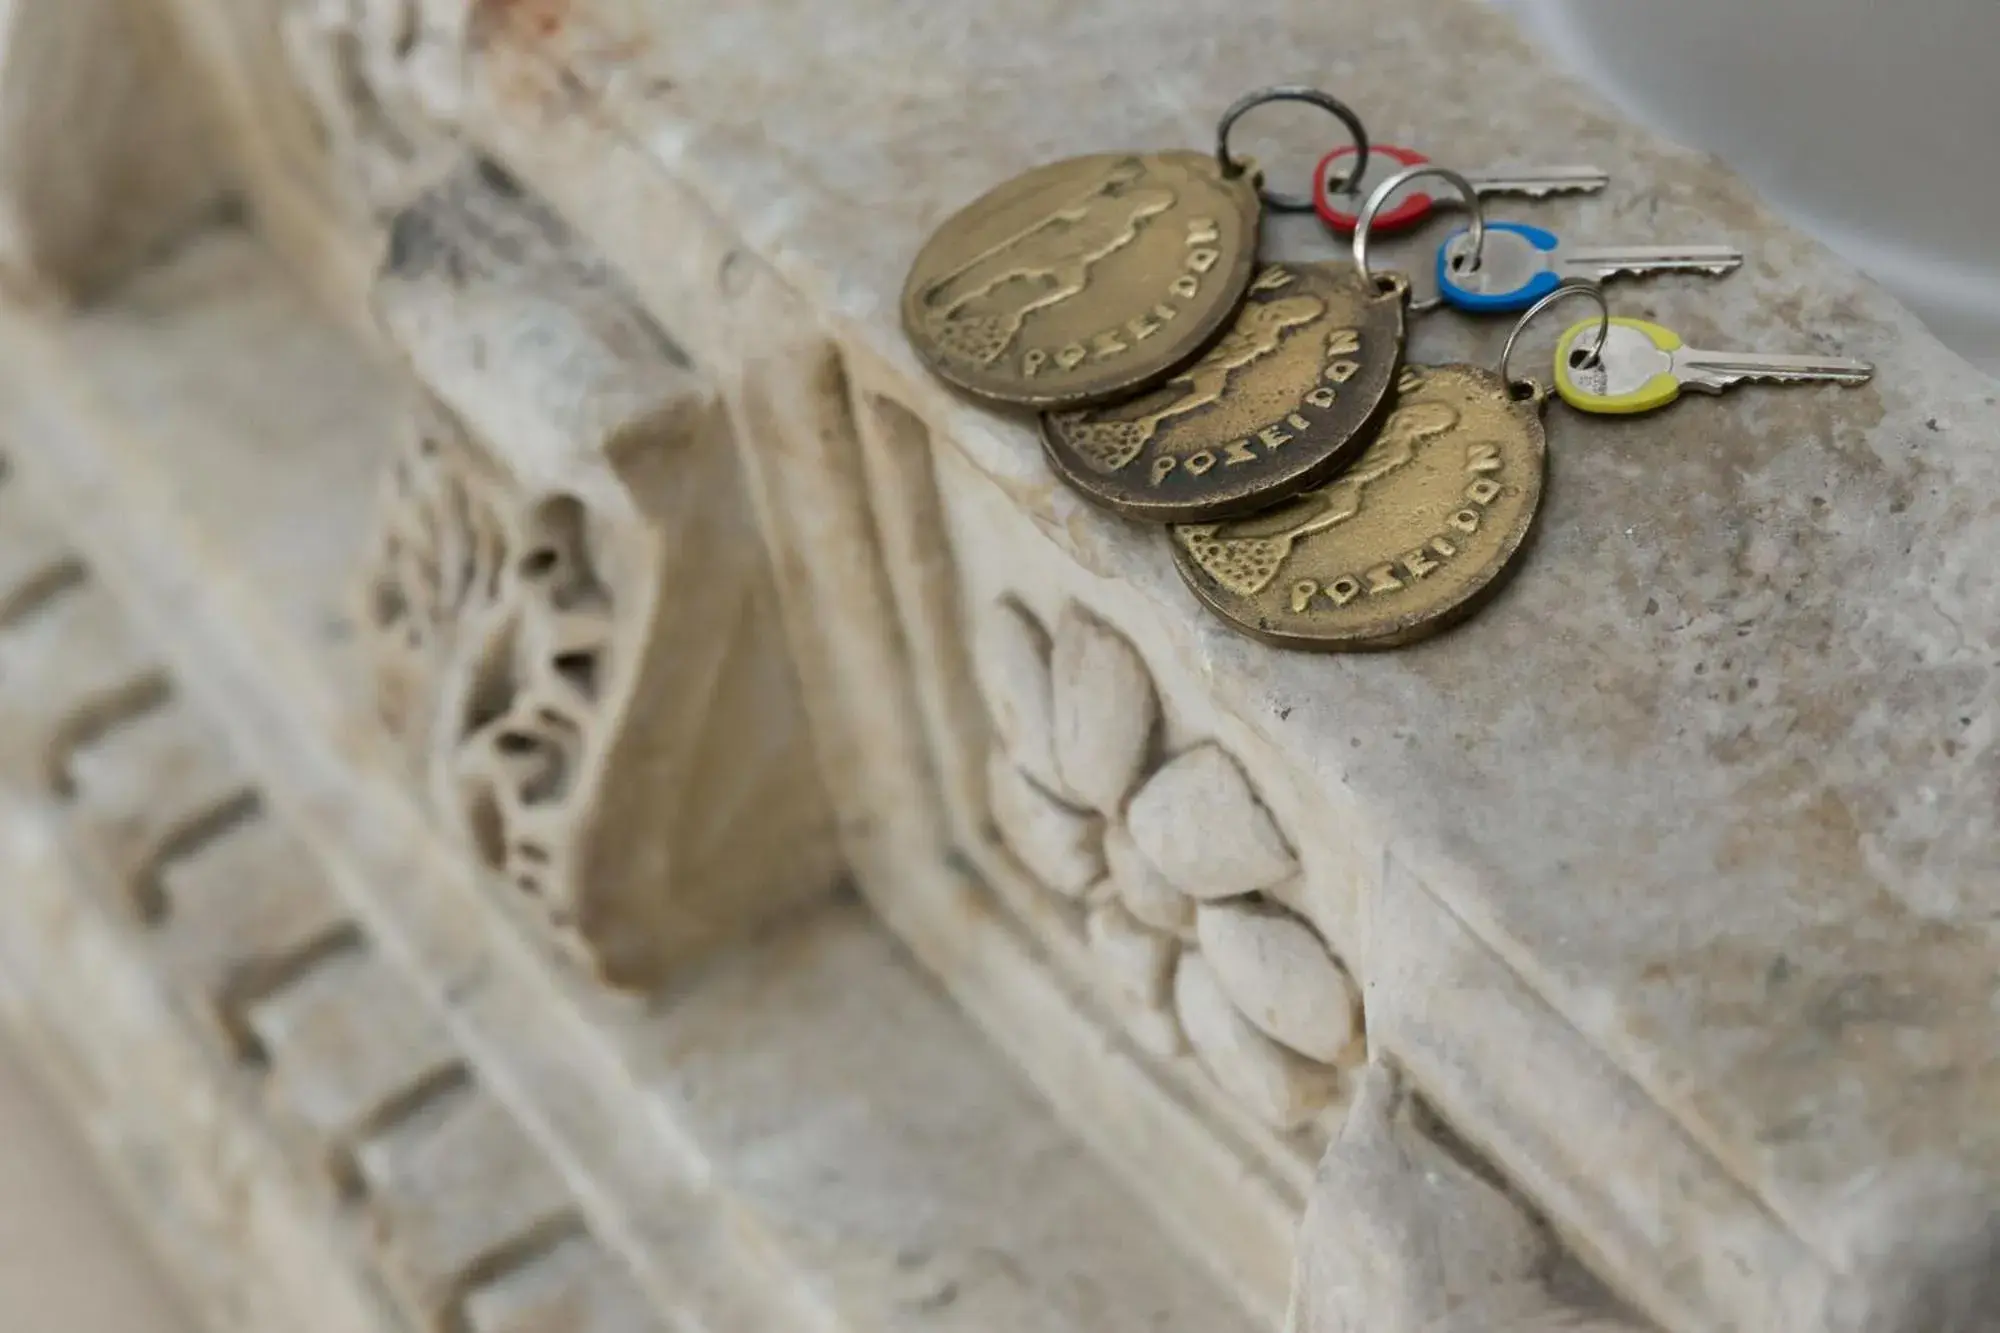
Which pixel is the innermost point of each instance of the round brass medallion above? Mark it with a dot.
(1283, 400)
(1084, 280)
(1408, 540)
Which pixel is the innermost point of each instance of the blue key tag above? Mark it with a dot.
(1516, 269)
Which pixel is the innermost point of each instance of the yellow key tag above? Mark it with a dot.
(1633, 373)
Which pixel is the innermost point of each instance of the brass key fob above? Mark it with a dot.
(1084, 279)
(1284, 400)
(1092, 279)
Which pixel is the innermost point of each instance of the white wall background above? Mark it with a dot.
(1871, 123)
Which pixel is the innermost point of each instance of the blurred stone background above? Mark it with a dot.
(69, 1260)
(1875, 127)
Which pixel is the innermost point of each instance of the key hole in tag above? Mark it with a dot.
(1583, 358)
(1464, 263)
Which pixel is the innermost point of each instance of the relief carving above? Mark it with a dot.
(1042, 265)
(109, 148)
(1173, 861)
(357, 1081)
(1246, 564)
(493, 630)
(1111, 444)
(1401, 1235)
(569, 617)
(384, 79)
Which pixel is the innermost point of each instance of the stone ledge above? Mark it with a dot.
(1715, 775)
(714, 1138)
(295, 1131)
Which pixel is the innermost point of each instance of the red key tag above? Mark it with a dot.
(1341, 207)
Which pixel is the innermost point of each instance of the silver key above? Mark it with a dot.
(1539, 182)
(1518, 265)
(1643, 366)
(1340, 200)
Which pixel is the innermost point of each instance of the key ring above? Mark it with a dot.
(1364, 221)
(1233, 166)
(1574, 287)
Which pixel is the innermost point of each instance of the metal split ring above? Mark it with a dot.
(1364, 221)
(1233, 166)
(1574, 287)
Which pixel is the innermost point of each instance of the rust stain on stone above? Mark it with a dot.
(530, 18)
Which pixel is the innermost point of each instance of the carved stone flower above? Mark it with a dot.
(1173, 859)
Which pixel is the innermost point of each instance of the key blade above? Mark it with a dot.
(1609, 261)
(1539, 182)
(1712, 372)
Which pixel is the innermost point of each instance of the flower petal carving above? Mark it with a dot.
(1281, 978)
(1139, 963)
(1201, 826)
(1104, 711)
(1145, 891)
(1061, 846)
(1283, 1089)
(1012, 662)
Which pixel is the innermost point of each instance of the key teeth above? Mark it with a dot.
(1527, 182)
(1712, 381)
(1719, 269)
(1558, 187)
(1707, 382)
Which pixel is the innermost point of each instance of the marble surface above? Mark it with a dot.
(1716, 775)
(69, 1259)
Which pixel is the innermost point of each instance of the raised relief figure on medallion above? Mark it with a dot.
(1110, 445)
(977, 310)
(1246, 565)
(1407, 542)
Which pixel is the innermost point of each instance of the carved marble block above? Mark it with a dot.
(1175, 870)
(522, 516)
(110, 145)
(200, 967)
(380, 77)
(571, 620)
